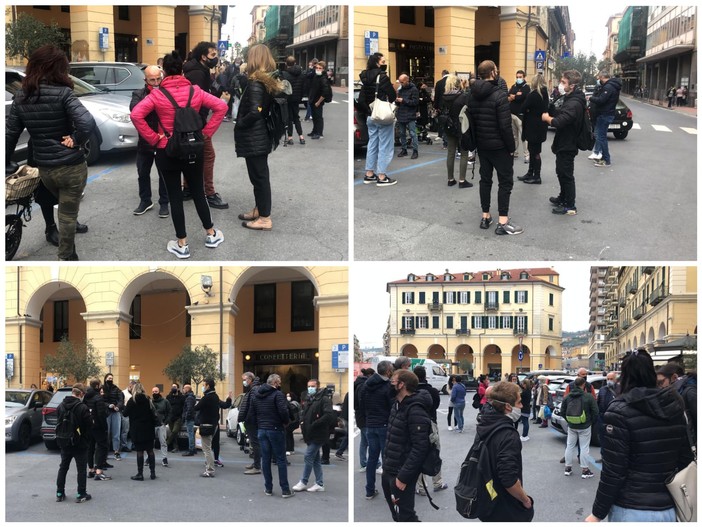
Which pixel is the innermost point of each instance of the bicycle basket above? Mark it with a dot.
(22, 183)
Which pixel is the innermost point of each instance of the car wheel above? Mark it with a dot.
(50, 445)
(444, 390)
(24, 436)
(92, 149)
(621, 134)
(229, 431)
(240, 438)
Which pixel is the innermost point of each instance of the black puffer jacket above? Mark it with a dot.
(644, 442)
(98, 409)
(270, 409)
(435, 397)
(604, 100)
(189, 407)
(317, 417)
(491, 116)
(451, 104)
(199, 75)
(251, 133)
(318, 87)
(142, 419)
(407, 442)
(407, 109)
(515, 106)
(209, 407)
(246, 416)
(85, 422)
(385, 90)
(359, 414)
(113, 395)
(294, 76)
(56, 112)
(151, 119)
(177, 401)
(567, 121)
(534, 129)
(376, 398)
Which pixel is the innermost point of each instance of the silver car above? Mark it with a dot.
(114, 131)
(23, 414)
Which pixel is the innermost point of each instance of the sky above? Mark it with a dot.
(589, 21)
(238, 26)
(370, 303)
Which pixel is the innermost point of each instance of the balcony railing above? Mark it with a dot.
(492, 306)
(406, 331)
(434, 306)
(622, 301)
(638, 312)
(647, 269)
(520, 331)
(659, 293)
(626, 324)
(463, 332)
(631, 287)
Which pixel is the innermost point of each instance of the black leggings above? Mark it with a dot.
(260, 179)
(450, 411)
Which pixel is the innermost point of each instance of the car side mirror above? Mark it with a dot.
(38, 405)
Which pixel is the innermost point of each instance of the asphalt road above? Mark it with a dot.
(643, 207)
(557, 498)
(310, 205)
(178, 493)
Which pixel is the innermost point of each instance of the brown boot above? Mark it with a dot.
(262, 223)
(249, 216)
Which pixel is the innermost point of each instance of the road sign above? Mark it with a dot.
(520, 355)
(541, 366)
(371, 41)
(540, 65)
(340, 356)
(539, 55)
(109, 358)
(222, 46)
(103, 38)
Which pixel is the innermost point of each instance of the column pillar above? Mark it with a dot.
(333, 318)
(86, 21)
(157, 32)
(513, 28)
(26, 367)
(368, 18)
(203, 25)
(454, 39)
(109, 332)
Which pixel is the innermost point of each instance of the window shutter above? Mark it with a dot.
(412, 297)
(464, 323)
(485, 322)
(526, 324)
(526, 296)
(449, 322)
(499, 322)
(416, 322)
(426, 321)
(421, 297)
(472, 322)
(505, 297)
(435, 322)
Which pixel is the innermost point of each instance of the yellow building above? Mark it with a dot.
(647, 307)
(283, 320)
(483, 317)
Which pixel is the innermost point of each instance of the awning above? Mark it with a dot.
(672, 51)
(313, 41)
(686, 343)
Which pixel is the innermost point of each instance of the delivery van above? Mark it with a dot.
(436, 374)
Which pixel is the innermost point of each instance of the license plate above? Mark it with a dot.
(614, 126)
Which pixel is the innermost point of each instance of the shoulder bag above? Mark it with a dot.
(683, 485)
(382, 112)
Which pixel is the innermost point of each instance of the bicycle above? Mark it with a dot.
(19, 193)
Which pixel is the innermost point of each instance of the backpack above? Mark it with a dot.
(575, 411)
(586, 138)
(475, 492)
(187, 141)
(327, 92)
(466, 129)
(277, 118)
(476, 400)
(67, 429)
(432, 463)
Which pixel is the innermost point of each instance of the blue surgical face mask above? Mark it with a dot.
(311, 390)
(520, 81)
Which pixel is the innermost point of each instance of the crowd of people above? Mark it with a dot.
(640, 416)
(59, 126)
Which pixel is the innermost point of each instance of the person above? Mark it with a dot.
(670, 95)
(605, 103)
(407, 101)
(79, 452)
(188, 418)
(309, 75)
(684, 96)
(208, 407)
(503, 409)
(295, 410)
(673, 374)
(406, 446)
(439, 89)
(525, 397)
(360, 415)
(344, 417)
(458, 398)
(421, 373)
(125, 442)
(533, 128)
(567, 122)
(579, 428)
(423, 121)
(451, 381)
(542, 399)
(317, 416)
(97, 438)
(175, 418)
(452, 102)
(251, 138)
(142, 425)
(375, 401)
(516, 96)
(114, 399)
(644, 443)
(606, 394)
(146, 152)
(379, 150)
(293, 74)
(483, 385)
(171, 168)
(588, 388)
(58, 126)
(251, 385)
(203, 58)
(679, 96)
(271, 414)
(402, 363)
(224, 80)
(495, 142)
(163, 412)
(319, 89)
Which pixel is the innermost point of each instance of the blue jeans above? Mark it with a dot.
(458, 412)
(525, 422)
(376, 444)
(313, 461)
(190, 427)
(601, 127)
(620, 514)
(379, 151)
(114, 423)
(273, 445)
(412, 125)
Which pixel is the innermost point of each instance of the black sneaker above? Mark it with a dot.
(568, 471)
(164, 462)
(107, 465)
(143, 207)
(367, 180)
(163, 211)
(486, 222)
(556, 201)
(216, 202)
(189, 453)
(81, 228)
(508, 228)
(102, 477)
(218, 463)
(288, 493)
(402, 153)
(371, 496)
(415, 155)
(60, 496)
(387, 182)
(80, 498)
(187, 196)
(532, 181)
(464, 184)
(117, 456)
(268, 492)
(340, 456)
(562, 209)
(587, 473)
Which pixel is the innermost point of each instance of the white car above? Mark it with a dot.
(234, 428)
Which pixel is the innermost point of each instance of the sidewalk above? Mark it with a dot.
(686, 110)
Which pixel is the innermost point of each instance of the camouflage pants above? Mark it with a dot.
(67, 184)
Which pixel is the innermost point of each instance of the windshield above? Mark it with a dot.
(16, 398)
(81, 88)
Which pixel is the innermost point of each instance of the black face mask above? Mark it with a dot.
(174, 391)
(384, 67)
(211, 63)
(108, 384)
(157, 396)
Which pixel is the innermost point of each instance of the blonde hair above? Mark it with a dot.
(453, 83)
(259, 58)
(538, 83)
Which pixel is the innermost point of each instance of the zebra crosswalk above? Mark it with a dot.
(663, 128)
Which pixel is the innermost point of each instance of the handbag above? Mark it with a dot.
(22, 183)
(382, 112)
(206, 430)
(683, 486)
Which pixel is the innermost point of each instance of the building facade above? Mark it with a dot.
(283, 320)
(600, 282)
(646, 307)
(488, 318)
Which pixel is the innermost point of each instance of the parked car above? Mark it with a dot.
(532, 375)
(50, 417)
(471, 383)
(23, 413)
(116, 77)
(360, 129)
(234, 428)
(114, 130)
(623, 121)
(558, 422)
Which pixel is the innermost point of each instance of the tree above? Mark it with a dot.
(237, 50)
(465, 365)
(72, 361)
(26, 34)
(194, 366)
(587, 66)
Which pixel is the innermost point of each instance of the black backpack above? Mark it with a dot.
(187, 141)
(327, 92)
(277, 118)
(575, 411)
(67, 429)
(475, 492)
(586, 138)
(476, 400)
(432, 463)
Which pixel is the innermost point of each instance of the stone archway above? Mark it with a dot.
(661, 332)
(651, 336)
(492, 361)
(642, 339)
(465, 353)
(409, 350)
(551, 361)
(525, 365)
(635, 343)
(436, 352)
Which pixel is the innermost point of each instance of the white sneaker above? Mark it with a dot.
(362, 469)
(213, 240)
(524, 439)
(180, 252)
(450, 428)
(316, 488)
(595, 156)
(379, 470)
(300, 487)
